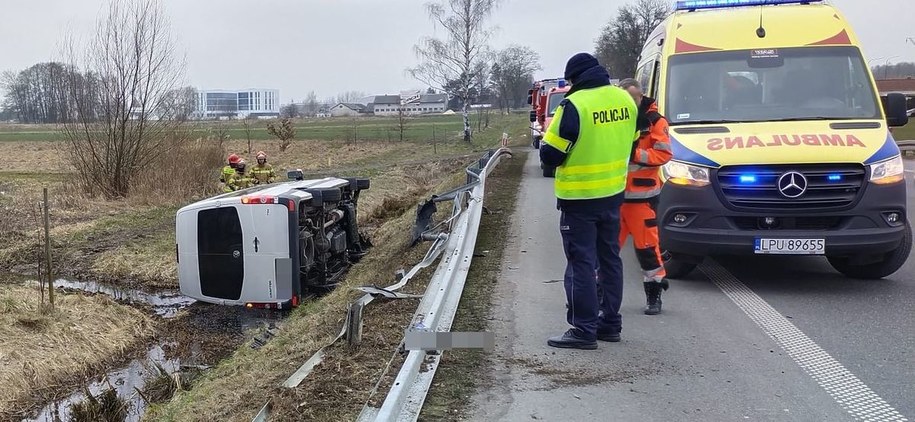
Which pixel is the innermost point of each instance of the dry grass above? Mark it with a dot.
(184, 170)
(41, 352)
(106, 407)
(33, 157)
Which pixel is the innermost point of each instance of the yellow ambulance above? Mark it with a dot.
(781, 145)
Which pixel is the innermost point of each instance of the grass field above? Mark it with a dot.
(905, 133)
(421, 128)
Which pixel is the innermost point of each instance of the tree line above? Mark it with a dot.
(58, 92)
(894, 71)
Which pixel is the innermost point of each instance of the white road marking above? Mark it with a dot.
(845, 388)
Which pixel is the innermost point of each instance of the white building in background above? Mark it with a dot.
(412, 102)
(214, 104)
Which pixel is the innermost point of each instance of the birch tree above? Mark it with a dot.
(461, 54)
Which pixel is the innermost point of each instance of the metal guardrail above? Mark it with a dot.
(437, 308)
(439, 303)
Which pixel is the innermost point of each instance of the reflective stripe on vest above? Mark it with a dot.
(644, 194)
(598, 160)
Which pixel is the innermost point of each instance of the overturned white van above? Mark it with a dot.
(266, 246)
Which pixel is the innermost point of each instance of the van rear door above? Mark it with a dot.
(220, 253)
(265, 230)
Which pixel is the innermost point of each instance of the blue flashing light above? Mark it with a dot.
(835, 177)
(748, 178)
(562, 83)
(714, 4)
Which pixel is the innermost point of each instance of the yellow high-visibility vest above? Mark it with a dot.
(597, 162)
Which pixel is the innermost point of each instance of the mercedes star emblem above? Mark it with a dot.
(236, 254)
(792, 184)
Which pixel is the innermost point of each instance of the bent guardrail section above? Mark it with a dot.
(443, 294)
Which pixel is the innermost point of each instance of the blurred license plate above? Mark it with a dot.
(790, 246)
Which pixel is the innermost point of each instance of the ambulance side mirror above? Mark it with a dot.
(533, 116)
(896, 110)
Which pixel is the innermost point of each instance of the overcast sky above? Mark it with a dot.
(331, 46)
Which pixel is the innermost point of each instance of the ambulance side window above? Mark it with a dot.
(655, 75)
(645, 75)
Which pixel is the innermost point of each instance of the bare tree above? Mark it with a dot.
(512, 74)
(621, 41)
(310, 104)
(248, 123)
(402, 122)
(349, 96)
(284, 131)
(462, 55)
(38, 94)
(289, 111)
(133, 54)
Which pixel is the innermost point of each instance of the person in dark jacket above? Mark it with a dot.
(590, 142)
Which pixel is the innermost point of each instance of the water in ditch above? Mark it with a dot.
(191, 340)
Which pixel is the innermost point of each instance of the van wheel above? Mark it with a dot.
(549, 171)
(888, 264)
(680, 266)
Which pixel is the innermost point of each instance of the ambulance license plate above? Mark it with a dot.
(790, 246)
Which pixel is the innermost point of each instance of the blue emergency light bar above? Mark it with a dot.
(716, 4)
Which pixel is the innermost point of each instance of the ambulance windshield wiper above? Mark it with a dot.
(812, 118)
(705, 122)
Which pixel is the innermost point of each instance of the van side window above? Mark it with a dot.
(644, 75)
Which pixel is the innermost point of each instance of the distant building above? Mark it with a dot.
(390, 105)
(347, 110)
(232, 104)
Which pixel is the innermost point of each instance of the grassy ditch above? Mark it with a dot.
(340, 386)
(241, 384)
(43, 350)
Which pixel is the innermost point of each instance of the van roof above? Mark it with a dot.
(299, 187)
(787, 25)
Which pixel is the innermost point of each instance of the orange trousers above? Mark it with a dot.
(640, 220)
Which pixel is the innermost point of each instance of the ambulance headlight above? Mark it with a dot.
(684, 174)
(888, 171)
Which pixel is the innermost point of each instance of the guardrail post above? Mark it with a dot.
(354, 324)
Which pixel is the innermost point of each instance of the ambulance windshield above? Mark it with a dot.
(555, 100)
(808, 83)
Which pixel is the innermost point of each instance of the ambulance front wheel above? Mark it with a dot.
(888, 264)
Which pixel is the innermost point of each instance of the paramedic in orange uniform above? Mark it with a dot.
(643, 187)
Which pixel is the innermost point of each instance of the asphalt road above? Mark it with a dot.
(743, 339)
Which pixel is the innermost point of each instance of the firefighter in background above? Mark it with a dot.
(643, 186)
(241, 179)
(228, 172)
(262, 172)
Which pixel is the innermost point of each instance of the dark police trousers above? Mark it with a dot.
(591, 240)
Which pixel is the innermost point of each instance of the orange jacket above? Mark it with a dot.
(650, 153)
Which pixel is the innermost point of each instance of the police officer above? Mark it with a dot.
(262, 172)
(642, 190)
(590, 142)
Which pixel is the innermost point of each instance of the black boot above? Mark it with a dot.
(653, 293)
